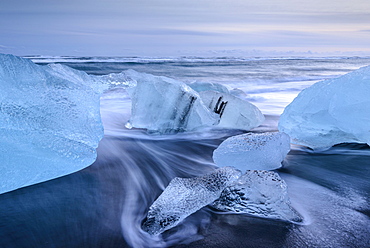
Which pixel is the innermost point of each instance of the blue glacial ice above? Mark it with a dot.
(253, 151)
(50, 123)
(165, 105)
(330, 112)
(258, 193)
(184, 196)
(233, 112)
(199, 86)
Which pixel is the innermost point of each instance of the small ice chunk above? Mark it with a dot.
(165, 105)
(259, 193)
(330, 112)
(233, 112)
(253, 151)
(184, 196)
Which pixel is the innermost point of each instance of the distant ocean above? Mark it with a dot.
(270, 83)
(104, 204)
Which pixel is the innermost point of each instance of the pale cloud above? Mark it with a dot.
(113, 27)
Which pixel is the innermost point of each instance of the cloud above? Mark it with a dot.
(171, 32)
(145, 26)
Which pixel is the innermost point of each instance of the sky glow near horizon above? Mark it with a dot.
(177, 27)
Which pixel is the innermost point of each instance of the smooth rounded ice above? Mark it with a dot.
(253, 151)
(331, 112)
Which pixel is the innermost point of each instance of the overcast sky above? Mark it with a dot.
(179, 27)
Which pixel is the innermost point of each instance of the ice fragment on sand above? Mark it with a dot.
(253, 151)
(165, 105)
(49, 121)
(259, 193)
(331, 112)
(184, 196)
(233, 112)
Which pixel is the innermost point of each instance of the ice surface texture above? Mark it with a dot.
(206, 86)
(49, 121)
(165, 105)
(233, 112)
(331, 112)
(184, 196)
(259, 193)
(253, 151)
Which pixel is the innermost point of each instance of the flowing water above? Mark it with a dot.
(105, 204)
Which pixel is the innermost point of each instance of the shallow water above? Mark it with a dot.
(270, 83)
(105, 204)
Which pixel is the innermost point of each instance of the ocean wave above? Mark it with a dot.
(146, 60)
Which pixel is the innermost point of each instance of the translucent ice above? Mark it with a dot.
(238, 93)
(166, 105)
(206, 86)
(259, 193)
(331, 112)
(49, 121)
(233, 112)
(184, 196)
(253, 151)
(199, 86)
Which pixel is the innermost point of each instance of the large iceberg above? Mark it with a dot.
(253, 151)
(50, 123)
(184, 196)
(331, 112)
(165, 105)
(258, 193)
